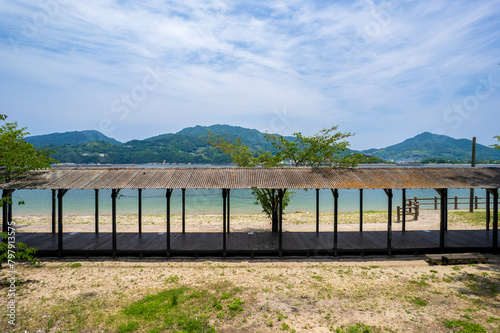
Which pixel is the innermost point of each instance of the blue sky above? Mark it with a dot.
(385, 70)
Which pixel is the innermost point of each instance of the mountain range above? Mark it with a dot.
(189, 146)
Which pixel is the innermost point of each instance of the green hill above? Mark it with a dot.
(189, 146)
(428, 147)
(72, 138)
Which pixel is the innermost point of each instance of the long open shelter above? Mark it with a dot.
(60, 180)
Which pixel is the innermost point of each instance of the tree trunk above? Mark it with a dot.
(275, 221)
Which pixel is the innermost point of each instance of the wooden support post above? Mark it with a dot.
(389, 219)
(54, 211)
(60, 195)
(96, 211)
(183, 210)
(317, 211)
(274, 226)
(494, 194)
(488, 210)
(456, 202)
(5, 212)
(476, 202)
(399, 213)
(404, 210)
(473, 164)
(471, 201)
(224, 202)
(361, 210)
(228, 211)
(139, 210)
(114, 195)
(280, 220)
(495, 219)
(335, 193)
(9, 215)
(168, 195)
(435, 203)
(6, 209)
(443, 216)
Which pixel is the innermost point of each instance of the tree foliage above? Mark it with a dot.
(496, 145)
(326, 148)
(14, 251)
(17, 157)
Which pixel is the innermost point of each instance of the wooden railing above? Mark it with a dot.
(455, 202)
(412, 208)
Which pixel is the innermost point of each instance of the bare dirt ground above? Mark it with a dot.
(372, 294)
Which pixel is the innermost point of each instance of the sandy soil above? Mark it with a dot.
(389, 294)
(428, 220)
(305, 295)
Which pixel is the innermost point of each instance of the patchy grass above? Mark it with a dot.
(465, 326)
(178, 309)
(255, 295)
(476, 218)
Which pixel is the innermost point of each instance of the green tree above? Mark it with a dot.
(18, 157)
(496, 145)
(328, 148)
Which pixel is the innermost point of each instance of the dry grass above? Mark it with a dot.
(317, 295)
(386, 295)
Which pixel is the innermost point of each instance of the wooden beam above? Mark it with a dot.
(495, 219)
(389, 219)
(7, 209)
(228, 211)
(96, 211)
(224, 202)
(280, 220)
(473, 164)
(488, 208)
(317, 212)
(139, 210)
(168, 195)
(60, 195)
(114, 195)
(443, 193)
(404, 210)
(361, 210)
(494, 194)
(5, 212)
(183, 210)
(335, 193)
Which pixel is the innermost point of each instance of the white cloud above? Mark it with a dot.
(370, 65)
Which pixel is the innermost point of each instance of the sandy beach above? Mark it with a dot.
(294, 222)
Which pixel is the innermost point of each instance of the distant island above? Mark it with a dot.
(188, 146)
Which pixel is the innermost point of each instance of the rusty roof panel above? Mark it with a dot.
(206, 178)
(104, 179)
(89, 177)
(122, 179)
(160, 179)
(293, 178)
(377, 179)
(37, 180)
(354, 178)
(180, 178)
(236, 177)
(141, 179)
(66, 179)
(349, 178)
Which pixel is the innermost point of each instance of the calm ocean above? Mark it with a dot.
(200, 201)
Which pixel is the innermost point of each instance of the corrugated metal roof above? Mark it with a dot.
(283, 177)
